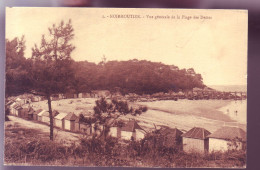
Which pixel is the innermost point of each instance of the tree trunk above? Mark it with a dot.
(51, 118)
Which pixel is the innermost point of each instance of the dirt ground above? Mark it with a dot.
(60, 136)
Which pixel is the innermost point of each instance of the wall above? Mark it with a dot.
(58, 123)
(46, 119)
(126, 135)
(139, 134)
(221, 145)
(193, 145)
(67, 124)
(113, 132)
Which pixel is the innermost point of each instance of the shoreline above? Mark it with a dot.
(182, 114)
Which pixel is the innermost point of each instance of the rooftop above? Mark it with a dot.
(197, 133)
(229, 133)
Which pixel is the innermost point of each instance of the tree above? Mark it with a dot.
(51, 71)
(16, 73)
(105, 111)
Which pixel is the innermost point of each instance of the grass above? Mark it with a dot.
(32, 147)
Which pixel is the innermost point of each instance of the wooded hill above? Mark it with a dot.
(132, 76)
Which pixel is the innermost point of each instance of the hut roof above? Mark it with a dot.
(17, 107)
(12, 105)
(54, 113)
(9, 103)
(229, 133)
(131, 126)
(61, 116)
(71, 116)
(25, 110)
(197, 133)
(30, 111)
(37, 111)
(42, 112)
(170, 131)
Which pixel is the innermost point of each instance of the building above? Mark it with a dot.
(84, 95)
(12, 110)
(39, 115)
(227, 138)
(69, 121)
(30, 113)
(69, 96)
(35, 114)
(46, 116)
(80, 95)
(171, 137)
(24, 113)
(85, 128)
(59, 120)
(17, 109)
(20, 101)
(132, 131)
(195, 140)
(114, 130)
(100, 93)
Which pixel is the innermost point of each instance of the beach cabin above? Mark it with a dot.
(35, 99)
(69, 95)
(132, 131)
(114, 130)
(85, 128)
(69, 121)
(171, 137)
(80, 95)
(59, 120)
(60, 96)
(195, 140)
(8, 104)
(100, 93)
(17, 110)
(24, 113)
(35, 114)
(39, 115)
(12, 111)
(46, 116)
(227, 138)
(30, 113)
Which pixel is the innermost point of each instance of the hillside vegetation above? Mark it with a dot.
(132, 76)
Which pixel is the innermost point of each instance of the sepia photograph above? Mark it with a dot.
(126, 87)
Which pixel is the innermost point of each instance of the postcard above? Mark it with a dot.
(126, 87)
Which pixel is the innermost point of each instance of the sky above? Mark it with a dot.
(215, 45)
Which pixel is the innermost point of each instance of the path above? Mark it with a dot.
(64, 137)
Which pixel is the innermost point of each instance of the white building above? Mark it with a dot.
(59, 120)
(227, 138)
(195, 140)
(39, 116)
(132, 131)
(69, 121)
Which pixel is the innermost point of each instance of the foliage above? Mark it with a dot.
(28, 146)
(51, 62)
(50, 71)
(16, 73)
(135, 76)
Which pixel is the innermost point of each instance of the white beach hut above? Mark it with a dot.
(195, 140)
(227, 138)
(59, 120)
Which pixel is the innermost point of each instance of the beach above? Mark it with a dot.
(182, 114)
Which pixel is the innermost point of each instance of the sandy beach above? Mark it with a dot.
(182, 114)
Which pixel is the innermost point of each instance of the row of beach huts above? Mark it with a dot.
(196, 139)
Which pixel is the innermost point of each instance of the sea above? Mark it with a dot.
(230, 88)
(237, 109)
